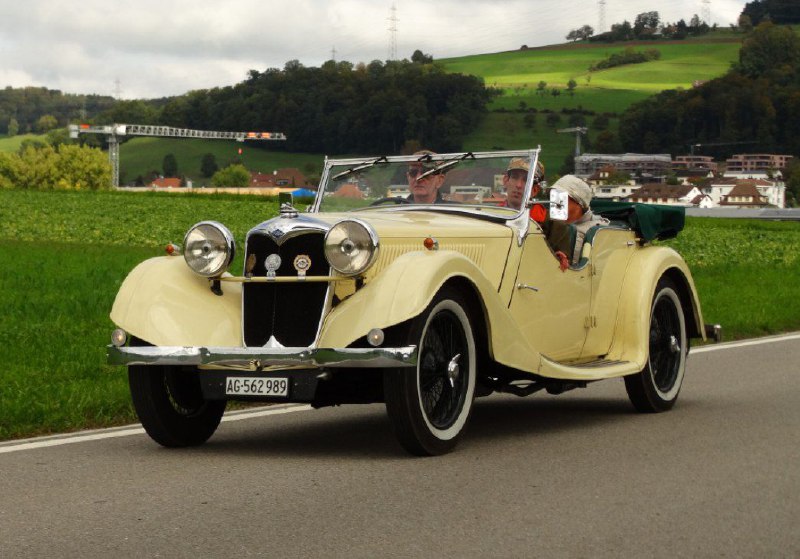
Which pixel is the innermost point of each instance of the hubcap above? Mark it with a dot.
(453, 370)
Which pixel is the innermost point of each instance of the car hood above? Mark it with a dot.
(413, 223)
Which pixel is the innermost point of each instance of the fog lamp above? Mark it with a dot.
(375, 337)
(119, 337)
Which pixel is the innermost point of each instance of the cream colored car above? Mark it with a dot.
(373, 296)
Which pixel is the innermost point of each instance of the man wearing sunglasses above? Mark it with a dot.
(424, 190)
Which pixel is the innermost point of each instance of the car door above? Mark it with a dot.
(610, 255)
(550, 306)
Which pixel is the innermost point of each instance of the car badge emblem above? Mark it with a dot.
(272, 263)
(276, 233)
(302, 263)
(250, 266)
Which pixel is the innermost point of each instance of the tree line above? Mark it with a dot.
(38, 109)
(380, 107)
(646, 25)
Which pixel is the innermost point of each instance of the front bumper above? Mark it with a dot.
(259, 358)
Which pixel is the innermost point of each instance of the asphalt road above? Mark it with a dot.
(576, 475)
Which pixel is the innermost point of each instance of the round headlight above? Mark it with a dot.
(208, 248)
(351, 247)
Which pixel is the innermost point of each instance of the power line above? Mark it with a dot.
(393, 33)
(601, 27)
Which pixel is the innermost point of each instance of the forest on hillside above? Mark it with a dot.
(339, 107)
(755, 107)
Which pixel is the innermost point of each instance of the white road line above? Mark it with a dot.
(114, 432)
(745, 343)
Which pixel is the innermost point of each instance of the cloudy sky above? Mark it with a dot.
(154, 48)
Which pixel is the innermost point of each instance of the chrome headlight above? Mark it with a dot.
(208, 248)
(351, 247)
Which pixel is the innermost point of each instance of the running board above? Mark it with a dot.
(590, 370)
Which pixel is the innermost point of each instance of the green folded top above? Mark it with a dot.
(650, 221)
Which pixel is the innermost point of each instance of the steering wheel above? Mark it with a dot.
(393, 199)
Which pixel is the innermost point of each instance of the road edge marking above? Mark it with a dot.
(745, 343)
(126, 431)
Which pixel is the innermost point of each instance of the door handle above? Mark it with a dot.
(526, 286)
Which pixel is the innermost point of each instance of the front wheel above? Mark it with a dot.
(656, 387)
(429, 405)
(171, 406)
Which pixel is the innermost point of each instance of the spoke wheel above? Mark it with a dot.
(656, 387)
(171, 407)
(429, 405)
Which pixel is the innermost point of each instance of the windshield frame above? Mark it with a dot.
(531, 154)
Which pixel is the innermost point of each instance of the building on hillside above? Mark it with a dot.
(642, 167)
(694, 162)
(744, 195)
(748, 162)
(693, 176)
(166, 182)
(773, 191)
(671, 195)
(605, 186)
(349, 190)
(285, 178)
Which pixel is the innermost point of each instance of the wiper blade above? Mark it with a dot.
(365, 165)
(446, 165)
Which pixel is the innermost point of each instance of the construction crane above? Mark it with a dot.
(578, 130)
(113, 133)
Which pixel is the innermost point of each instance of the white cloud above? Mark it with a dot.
(167, 47)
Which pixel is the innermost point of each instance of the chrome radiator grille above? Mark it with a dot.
(289, 311)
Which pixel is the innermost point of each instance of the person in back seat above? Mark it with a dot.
(579, 218)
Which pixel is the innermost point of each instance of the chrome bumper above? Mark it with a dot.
(261, 357)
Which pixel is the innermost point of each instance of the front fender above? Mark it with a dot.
(164, 303)
(406, 287)
(647, 266)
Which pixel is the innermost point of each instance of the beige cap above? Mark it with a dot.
(523, 164)
(577, 189)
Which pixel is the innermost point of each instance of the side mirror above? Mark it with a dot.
(559, 204)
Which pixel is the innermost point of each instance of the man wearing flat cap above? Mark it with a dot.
(579, 215)
(515, 178)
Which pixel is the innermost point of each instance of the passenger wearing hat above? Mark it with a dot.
(424, 190)
(515, 178)
(578, 215)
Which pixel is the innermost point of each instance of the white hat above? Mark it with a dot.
(577, 189)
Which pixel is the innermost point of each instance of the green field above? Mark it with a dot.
(517, 73)
(66, 254)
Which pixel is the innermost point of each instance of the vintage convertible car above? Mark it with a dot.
(369, 296)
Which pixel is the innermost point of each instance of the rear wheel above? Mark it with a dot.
(171, 406)
(656, 387)
(429, 404)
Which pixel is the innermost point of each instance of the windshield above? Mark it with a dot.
(496, 182)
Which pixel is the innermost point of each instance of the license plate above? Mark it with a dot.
(256, 386)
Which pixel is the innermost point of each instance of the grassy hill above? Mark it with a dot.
(517, 73)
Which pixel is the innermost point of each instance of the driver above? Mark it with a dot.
(426, 189)
(515, 178)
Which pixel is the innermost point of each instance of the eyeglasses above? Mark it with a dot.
(414, 172)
